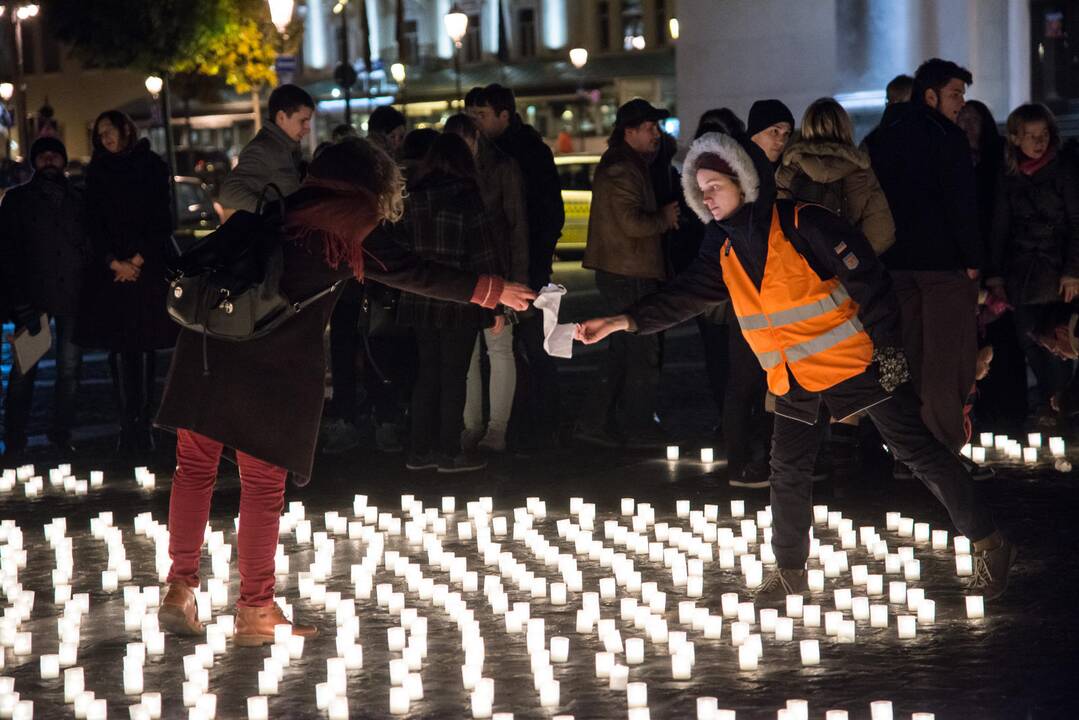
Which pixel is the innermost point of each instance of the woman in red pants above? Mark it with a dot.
(263, 397)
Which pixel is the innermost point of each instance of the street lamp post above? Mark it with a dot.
(158, 87)
(7, 91)
(579, 57)
(397, 72)
(19, 14)
(456, 27)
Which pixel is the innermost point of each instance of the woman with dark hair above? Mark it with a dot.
(446, 221)
(130, 225)
(502, 188)
(1035, 244)
(263, 397)
(1001, 394)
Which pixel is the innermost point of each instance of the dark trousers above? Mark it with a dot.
(20, 390)
(345, 344)
(747, 428)
(438, 398)
(624, 394)
(1052, 373)
(940, 339)
(717, 359)
(537, 397)
(794, 449)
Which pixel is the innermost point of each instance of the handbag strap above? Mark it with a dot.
(298, 306)
(263, 198)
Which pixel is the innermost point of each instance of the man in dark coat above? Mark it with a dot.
(495, 110)
(273, 155)
(922, 159)
(43, 254)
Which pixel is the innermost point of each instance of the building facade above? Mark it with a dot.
(732, 53)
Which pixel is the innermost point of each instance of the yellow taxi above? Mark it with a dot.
(575, 172)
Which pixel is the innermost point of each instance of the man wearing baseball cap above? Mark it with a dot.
(625, 231)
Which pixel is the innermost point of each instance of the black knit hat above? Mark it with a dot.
(766, 113)
(47, 144)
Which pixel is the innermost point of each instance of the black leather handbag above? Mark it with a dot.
(228, 286)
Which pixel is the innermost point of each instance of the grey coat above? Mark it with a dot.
(270, 157)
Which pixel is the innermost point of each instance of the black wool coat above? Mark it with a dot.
(1035, 237)
(44, 248)
(128, 214)
(264, 397)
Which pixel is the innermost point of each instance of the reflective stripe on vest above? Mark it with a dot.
(795, 314)
(819, 342)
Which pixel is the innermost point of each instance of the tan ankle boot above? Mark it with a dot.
(255, 625)
(179, 614)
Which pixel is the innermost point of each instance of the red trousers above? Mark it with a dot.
(262, 495)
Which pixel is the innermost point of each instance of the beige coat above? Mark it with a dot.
(860, 199)
(625, 230)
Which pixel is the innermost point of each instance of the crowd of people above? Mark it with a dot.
(907, 286)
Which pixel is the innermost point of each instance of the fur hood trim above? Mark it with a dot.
(734, 155)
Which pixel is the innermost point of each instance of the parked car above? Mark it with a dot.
(208, 165)
(575, 173)
(197, 214)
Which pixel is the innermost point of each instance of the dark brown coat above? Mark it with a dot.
(265, 396)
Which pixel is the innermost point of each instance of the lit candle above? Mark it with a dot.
(50, 667)
(768, 617)
(634, 651)
(859, 608)
(1034, 440)
(810, 650)
(267, 682)
(815, 580)
(907, 625)
(738, 508)
(985, 439)
(636, 695)
(628, 503)
(912, 570)
(794, 606)
(811, 616)
(906, 527)
(604, 663)
(152, 703)
(964, 565)
(399, 701)
(878, 616)
(681, 666)
(23, 644)
(481, 704)
(880, 710)
(784, 629)
(549, 694)
(836, 715)
(842, 598)
(707, 455)
(978, 455)
(1030, 455)
(559, 649)
(940, 539)
(897, 592)
(975, 607)
(74, 683)
(707, 708)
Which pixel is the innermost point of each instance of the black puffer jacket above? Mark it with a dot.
(1035, 238)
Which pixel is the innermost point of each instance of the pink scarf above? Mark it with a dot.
(1028, 167)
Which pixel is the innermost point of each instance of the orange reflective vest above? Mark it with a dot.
(796, 320)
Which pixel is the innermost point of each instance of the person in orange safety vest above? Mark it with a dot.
(818, 310)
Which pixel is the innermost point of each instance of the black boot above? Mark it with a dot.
(144, 433)
(125, 382)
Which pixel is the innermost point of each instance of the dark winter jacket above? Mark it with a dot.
(1036, 232)
(839, 178)
(445, 221)
(543, 196)
(922, 160)
(128, 214)
(265, 396)
(44, 248)
(502, 187)
(625, 227)
(270, 157)
(820, 238)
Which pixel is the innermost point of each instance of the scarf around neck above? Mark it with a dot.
(1028, 166)
(336, 215)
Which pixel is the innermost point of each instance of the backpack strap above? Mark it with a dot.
(788, 211)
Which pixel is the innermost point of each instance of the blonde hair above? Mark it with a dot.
(826, 121)
(1029, 113)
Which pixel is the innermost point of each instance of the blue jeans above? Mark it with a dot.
(20, 389)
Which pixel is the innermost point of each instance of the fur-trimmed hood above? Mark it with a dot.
(734, 154)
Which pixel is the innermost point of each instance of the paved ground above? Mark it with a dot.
(1019, 662)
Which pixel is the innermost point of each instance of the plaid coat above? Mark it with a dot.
(445, 221)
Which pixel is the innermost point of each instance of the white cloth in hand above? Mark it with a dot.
(557, 338)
